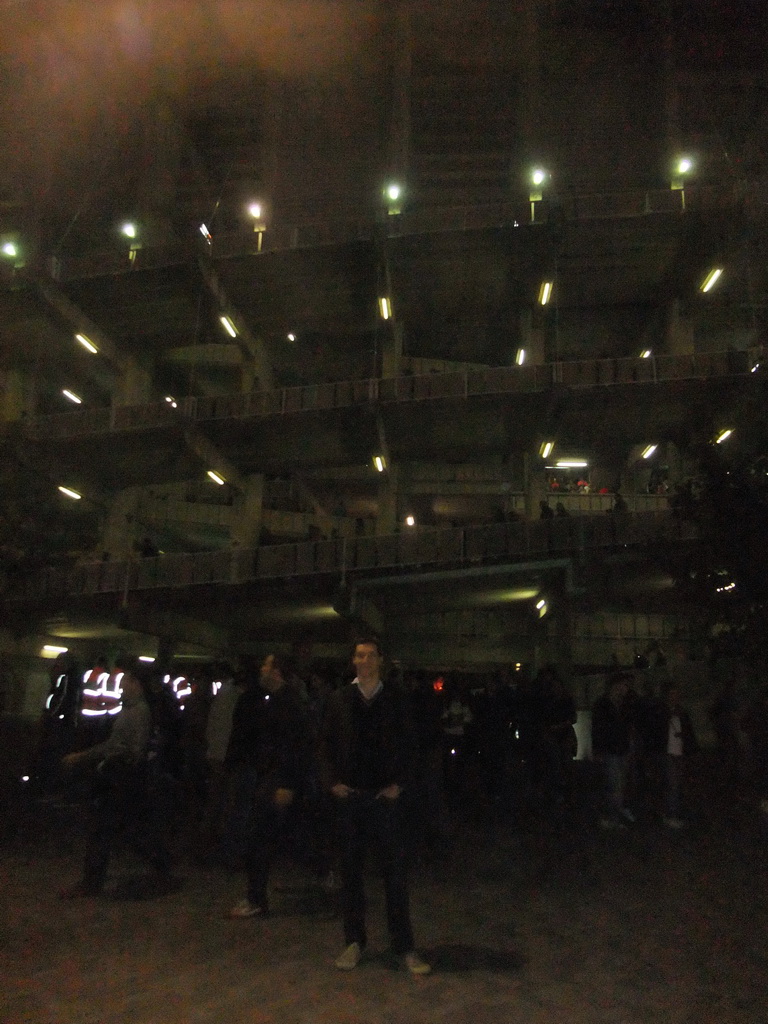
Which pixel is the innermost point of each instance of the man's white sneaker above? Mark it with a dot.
(246, 909)
(350, 957)
(674, 823)
(415, 964)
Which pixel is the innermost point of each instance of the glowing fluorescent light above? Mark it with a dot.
(410, 521)
(9, 249)
(646, 353)
(216, 478)
(711, 279)
(291, 337)
(520, 357)
(171, 401)
(229, 326)
(70, 493)
(385, 308)
(146, 657)
(87, 343)
(541, 604)
(379, 463)
(649, 450)
(569, 464)
(72, 396)
(546, 449)
(206, 233)
(723, 436)
(545, 292)
(53, 651)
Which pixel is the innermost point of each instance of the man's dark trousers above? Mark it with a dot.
(369, 822)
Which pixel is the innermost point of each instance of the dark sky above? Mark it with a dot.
(74, 74)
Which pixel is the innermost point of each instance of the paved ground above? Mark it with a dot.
(525, 924)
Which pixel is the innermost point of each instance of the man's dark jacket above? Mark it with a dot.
(397, 748)
(271, 733)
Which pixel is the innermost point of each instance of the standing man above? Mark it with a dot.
(368, 756)
(272, 729)
(122, 802)
(612, 744)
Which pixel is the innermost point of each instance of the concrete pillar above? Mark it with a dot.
(246, 522)
(392, 352)
(121, 527)
(13, 397)
(248, 378)
(386, 518)
(679, 331)
(532, 339)
(400, 123)
(11, 689)
(535, 484)
(157, 185)
(530, 110)
(166, 649)
(560, 634)
(134, 386)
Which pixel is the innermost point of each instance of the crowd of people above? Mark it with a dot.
(281, 759)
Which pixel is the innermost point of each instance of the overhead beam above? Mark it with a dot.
(251, 346)
(207, 355)
(212, 458)
(82, 324)
(159, 622)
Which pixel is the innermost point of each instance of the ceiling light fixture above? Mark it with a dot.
(711, 279)
(229, 326)
(87, 343)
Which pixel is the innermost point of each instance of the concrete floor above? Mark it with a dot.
(539, 923)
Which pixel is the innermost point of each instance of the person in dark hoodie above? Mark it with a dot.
(612, 744)
(272, 741)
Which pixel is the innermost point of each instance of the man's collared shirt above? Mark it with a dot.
(376, 692)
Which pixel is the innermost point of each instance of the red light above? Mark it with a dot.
(439, 685)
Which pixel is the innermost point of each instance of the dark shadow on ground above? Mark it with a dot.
(457, 959)
(144, 887)
(305, 901)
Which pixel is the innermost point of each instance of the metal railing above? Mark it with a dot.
(497, 542)
(470, 383)
(276, 237)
